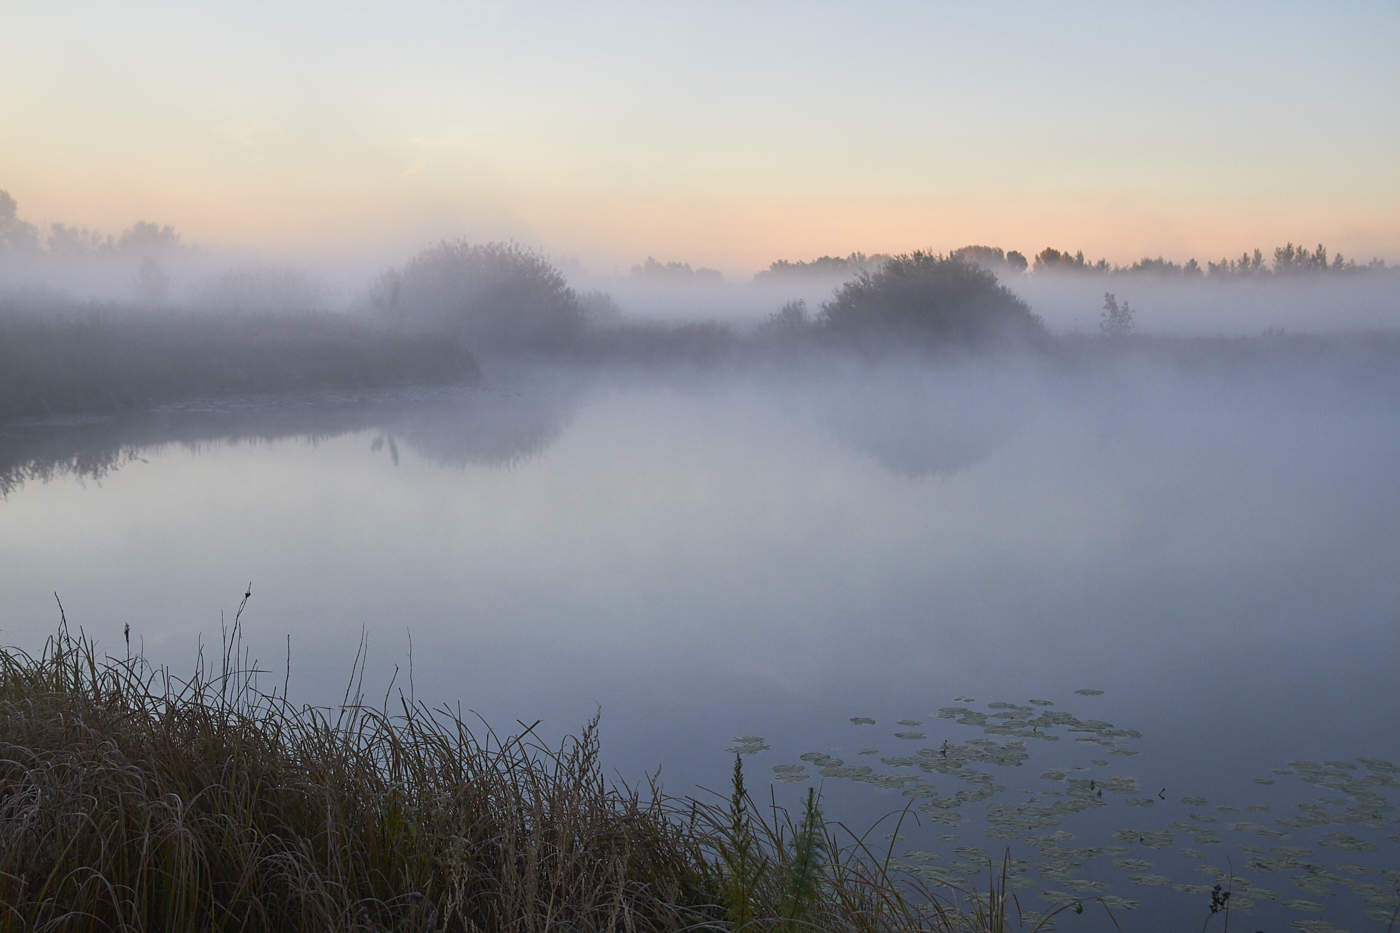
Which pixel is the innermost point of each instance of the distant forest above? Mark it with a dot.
(147, 241)
(1287, 260)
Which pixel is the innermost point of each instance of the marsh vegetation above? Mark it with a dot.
(137, 799)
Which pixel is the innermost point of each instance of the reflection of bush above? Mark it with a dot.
(916, 443)
(481, 428)
(495, 296)
(916, 422)
(449, 426)
(930, 300)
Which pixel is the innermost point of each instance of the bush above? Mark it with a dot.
(495, 296)
(931, 300)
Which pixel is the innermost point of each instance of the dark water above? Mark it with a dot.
(770, 555)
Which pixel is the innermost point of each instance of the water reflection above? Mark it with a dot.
(502, 428)
(923, 421)
(494, 426)
(737, 558)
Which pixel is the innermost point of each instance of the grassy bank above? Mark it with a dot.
(105, 360)
(133, 799)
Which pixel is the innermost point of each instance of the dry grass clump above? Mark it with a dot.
(134, 800)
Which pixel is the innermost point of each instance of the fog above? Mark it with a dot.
(1070, 302)
(660, 501)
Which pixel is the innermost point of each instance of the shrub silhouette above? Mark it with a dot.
(495, 296)
(930, 300)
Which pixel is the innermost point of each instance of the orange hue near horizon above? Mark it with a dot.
(610, 230)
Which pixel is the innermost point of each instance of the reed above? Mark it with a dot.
(132, 799)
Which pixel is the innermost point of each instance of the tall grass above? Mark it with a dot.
(135, 800)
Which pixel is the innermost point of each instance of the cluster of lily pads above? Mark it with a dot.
(1290, 861)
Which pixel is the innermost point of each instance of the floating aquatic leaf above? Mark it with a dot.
(1150, 879)
(1350, 868)
(1089, 692)
(909, 722)
(1133, 864)
(862, 720)
(1315, 926)
(747, 745)
(1299, 903)
(1346, 843)
(1263, 780)
(1150, 838)
(910, 735)
(1041, 702)
(1319, 884)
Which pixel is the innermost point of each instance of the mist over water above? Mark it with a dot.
(770, 551)
(916, 537)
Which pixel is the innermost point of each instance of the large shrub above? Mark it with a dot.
(494, 296)
(931, 300)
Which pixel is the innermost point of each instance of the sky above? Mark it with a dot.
(726, 134)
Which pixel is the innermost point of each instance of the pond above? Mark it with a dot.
(1139, 629)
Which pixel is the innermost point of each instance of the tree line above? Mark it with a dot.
(1288, 259)
(20, 236)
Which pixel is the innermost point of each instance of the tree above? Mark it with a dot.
(989, 256)
(77, 242)
(1116, 320)
(822, 267)
(1054, 260)
(152, 284)
(788, 321)
(147, 238)
(15, 235)
(676, 273)
(929, 299)
(494, 295)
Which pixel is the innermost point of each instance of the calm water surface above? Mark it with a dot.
(770, 556)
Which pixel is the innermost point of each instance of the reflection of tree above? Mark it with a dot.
(453, 426)
(480, 428)
(918, 427)
(916, 446)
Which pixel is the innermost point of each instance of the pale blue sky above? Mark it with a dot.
(722, 133)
